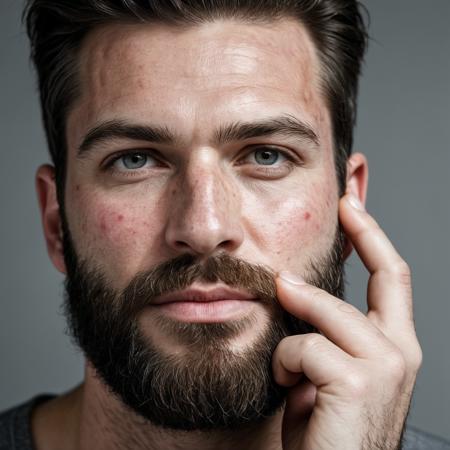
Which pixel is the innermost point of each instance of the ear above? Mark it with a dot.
(356, 184)
(50, 215)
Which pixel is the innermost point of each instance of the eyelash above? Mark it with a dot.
(284, 153)
(109, 164)
(291, 160)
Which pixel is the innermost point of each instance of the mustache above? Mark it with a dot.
(181, 272)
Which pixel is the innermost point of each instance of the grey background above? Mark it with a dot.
(403, 128)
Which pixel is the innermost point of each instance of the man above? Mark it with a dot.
(202, 202)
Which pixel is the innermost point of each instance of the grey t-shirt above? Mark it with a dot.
(15, 431)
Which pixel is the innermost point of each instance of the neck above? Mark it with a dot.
(94, 418)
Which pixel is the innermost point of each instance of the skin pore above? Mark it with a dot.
(196, 194)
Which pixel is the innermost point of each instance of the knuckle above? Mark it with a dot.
(402, 271)
(356, 385)
(416, 357)
(313, 342)
(395, 366)
(285, 344)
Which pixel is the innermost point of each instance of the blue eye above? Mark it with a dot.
(267, 157)
(134, 161)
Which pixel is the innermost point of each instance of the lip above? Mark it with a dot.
(197, 294)
(203, 305)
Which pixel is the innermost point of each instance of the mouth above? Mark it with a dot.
(206, 304)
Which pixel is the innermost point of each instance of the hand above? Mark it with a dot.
(351, 385)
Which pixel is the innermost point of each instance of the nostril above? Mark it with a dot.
(227, 245)
(202, 238)
(181, 244)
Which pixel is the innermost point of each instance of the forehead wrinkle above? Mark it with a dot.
(232, 46)
(112, 58)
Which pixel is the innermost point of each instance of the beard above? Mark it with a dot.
(208, 386)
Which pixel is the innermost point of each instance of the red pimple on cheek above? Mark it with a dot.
(307, 216)
(103, 222)
(120, 217)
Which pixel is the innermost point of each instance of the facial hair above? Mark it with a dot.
(209, 386)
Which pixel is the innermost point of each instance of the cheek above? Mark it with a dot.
(304, 226)
(118, 229)
(111, 225)
(113, 232)
(118, 233)
(298, 224)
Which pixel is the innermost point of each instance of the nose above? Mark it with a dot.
(205, 213)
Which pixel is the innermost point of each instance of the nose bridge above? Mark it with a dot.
(208, 195)
(206, 212)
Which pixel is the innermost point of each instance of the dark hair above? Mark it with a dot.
(56, 29)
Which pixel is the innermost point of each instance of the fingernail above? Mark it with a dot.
(291, 278)
(354, 201)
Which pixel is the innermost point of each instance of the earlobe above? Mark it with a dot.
(356, 184)
(50, 215)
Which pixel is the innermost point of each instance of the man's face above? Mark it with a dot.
(222, 183)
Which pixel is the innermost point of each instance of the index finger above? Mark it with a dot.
(389, 295)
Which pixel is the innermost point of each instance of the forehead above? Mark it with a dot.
(196, 77)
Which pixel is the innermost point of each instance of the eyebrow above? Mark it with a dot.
(286, 125)
(114, 129)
